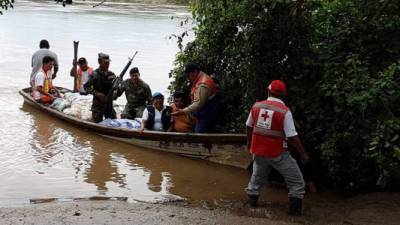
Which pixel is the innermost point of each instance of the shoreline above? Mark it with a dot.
(374, 208)
(183, 3)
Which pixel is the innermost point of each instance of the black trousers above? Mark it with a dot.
(98, 116)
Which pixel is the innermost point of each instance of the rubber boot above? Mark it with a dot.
(253, 199)
(295, 206)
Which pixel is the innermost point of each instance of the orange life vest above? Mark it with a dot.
(204, 79)
(46, 87)
(79, 77)
(268, 138)
(182, 123)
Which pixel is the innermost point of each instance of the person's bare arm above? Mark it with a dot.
(296, 144)
(142, 126)
(56, 92)
(102, 97)
(73, 71)
(249, 133)
(39, 89)
(55, 72)
(171, 128)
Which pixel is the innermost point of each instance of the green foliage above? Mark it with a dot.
(340, 60)
(5, 5)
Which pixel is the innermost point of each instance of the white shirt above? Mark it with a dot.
(157, 118)
(37, 59)
(288, 123)
(38, 80)
(84, 79)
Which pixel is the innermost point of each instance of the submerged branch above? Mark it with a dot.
(100, 3)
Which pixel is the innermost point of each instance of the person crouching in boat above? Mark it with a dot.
(204, 100)
(81, 74)
(43, 90)
(156, 117)
(138, 95)
(99, 84)
(184, 122)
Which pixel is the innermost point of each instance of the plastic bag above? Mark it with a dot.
(60, 104)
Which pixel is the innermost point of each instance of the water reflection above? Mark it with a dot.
(102, 170)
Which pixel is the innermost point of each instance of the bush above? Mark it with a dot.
(340, 60)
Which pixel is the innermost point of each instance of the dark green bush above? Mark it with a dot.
(340, 60)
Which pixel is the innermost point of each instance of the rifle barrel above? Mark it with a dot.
(127, 65)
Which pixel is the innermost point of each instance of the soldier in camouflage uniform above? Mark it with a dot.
(138, 95)
(99, 85)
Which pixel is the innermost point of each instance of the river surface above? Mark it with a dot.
(42, 157)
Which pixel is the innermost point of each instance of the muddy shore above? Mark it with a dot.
(376, 208)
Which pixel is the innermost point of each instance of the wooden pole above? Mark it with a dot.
(76, 43)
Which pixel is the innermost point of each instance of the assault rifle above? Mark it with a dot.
(115, 84)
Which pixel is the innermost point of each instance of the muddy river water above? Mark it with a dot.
(42, 157)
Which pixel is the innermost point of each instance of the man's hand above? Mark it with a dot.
(141, 130)
(74, 63)
(304, 157)
(178, 112)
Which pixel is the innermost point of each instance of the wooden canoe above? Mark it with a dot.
(226, 149)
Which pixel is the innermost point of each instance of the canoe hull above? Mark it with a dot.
(227, 154)
(226, 149)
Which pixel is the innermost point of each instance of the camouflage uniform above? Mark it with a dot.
(137, 96)
(100, 82)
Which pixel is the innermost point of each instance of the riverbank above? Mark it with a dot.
(376, 208)
(160, 2)
(152, 2)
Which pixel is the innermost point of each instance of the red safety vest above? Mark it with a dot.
(79, 77)
(268, 132)
(204, 79)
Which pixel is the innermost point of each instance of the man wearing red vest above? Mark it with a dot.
(270, 128)
(82, 74)
(204, 100)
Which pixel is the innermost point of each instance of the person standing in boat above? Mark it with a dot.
(43, 90)
(270, 128)
(138, 95)
(204, 100)
(37, 59)
(81, 73)
(156, 117)
(99, 84)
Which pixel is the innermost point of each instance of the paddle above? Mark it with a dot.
(76, 43)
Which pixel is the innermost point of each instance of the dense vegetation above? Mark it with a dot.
(340, 60)
(6, 4)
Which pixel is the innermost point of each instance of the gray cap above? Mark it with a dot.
(104, 56)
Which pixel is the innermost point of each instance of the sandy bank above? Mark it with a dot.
(116, 212)
(377, 208)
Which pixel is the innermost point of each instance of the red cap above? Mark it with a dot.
(277, 87)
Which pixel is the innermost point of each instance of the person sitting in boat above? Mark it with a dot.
(37, 59)
(156, 117)
(81, 74)
(138, 95)
(204, 100)
(43, 90)
(100, 84)
(184, 122)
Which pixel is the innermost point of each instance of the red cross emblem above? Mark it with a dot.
(265, 115)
